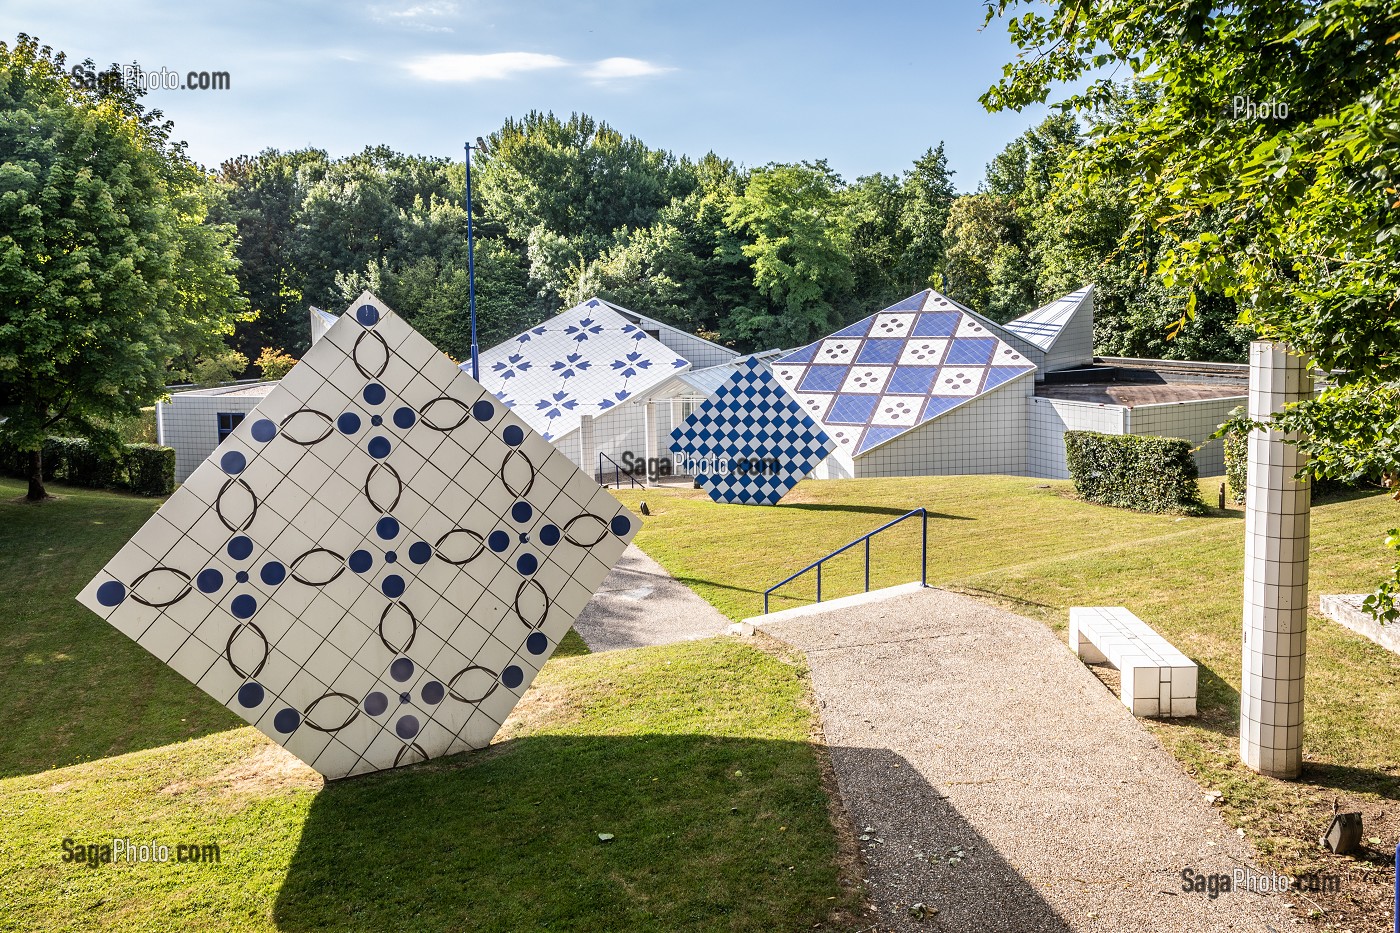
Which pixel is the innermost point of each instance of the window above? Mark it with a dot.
(228, 420)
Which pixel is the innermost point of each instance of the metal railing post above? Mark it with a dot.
(819, 582)
(923, 557)
(867, 563)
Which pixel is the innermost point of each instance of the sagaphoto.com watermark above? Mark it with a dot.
(138, 852)
(1214, 884)
(87, 77)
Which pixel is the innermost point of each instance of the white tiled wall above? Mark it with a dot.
(1195, 421)
(1075, 344)
(189, 423)
(987, 435)
(700, 353)
(1047, 423)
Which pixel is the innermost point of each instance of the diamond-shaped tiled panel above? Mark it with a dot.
(373, 567)
(872, 381)
(582, 362)
(750, 442)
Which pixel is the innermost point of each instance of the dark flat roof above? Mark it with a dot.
(1129, 394)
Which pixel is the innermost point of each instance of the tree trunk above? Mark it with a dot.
(36, 476)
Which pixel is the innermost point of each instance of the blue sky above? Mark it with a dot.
(868, 87)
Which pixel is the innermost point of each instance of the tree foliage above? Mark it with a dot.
(109, 270)
(1265, 159)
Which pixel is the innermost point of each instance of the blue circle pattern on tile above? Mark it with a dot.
(379, 447)
(240, 547)
(420, 552)
(401, 669)
(286, 720)
(263, 430)
(209, 580)
(521, 512)
(111, 593)
(243, 606)
(512, 676)
(433, 692)
(512, 435)
(374, 394)
(376, 703)
(360, 561)
(348, 423)
(483, 410)
(404, 417)
(367, 315)
(241, 576)
(273, 573)
(537, 643)
(233, 462)
(250, 695)
(387, 528)
(393, 586)
(406, 727)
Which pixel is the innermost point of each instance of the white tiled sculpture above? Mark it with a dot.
(1275, 571)
(377, 562)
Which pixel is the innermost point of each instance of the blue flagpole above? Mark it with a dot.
(471, 264)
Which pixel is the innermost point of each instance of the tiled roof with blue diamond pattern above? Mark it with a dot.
(919, 358)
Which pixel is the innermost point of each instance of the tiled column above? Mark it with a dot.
(588, 448)
(1275, 572)
(649, 427)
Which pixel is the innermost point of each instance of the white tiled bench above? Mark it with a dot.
(1157, 679)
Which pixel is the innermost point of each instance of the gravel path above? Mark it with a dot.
(993, 778)
(641, 604)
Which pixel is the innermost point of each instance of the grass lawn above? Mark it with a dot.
(1031, 546)
(696, 757)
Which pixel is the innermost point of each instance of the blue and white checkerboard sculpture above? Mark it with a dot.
(373, 567)
(751, 441)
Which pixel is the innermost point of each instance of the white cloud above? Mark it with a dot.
(491, 67)
(416, 15)
(619, 68)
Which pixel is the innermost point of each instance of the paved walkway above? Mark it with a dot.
(991, 776)
(641, 604)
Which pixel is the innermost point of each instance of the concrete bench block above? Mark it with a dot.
(1157, 679)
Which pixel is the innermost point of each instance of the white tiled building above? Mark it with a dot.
(927, 386)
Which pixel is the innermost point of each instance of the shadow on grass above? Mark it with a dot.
(709, 833)
(1353, 780)
(891, 511)
(1219, 708)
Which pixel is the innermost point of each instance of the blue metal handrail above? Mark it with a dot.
(923, 557)
(618, 472)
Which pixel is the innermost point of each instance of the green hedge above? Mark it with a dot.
(1149, 474)
(1236, 459)
(150, 469)
(145, 469)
